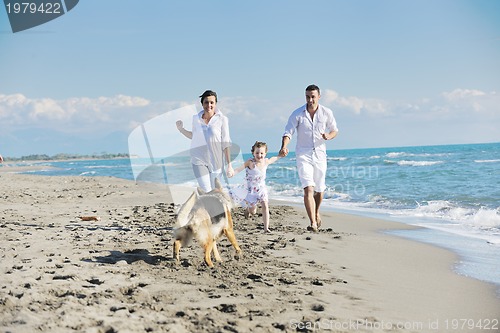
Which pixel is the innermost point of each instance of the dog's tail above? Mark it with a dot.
(184, 234)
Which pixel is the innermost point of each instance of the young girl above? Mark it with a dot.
(255, 191)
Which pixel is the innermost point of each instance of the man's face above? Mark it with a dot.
(312, 100)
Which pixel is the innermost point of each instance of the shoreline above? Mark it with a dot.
(473, 261)
(61, 273)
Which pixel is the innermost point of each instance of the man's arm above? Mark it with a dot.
(329, 136)
(284, 143)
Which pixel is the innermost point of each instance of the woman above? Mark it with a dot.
(210, 142)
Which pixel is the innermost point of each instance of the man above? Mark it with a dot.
(314, 125)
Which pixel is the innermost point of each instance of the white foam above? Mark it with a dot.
(405, 154)
(395, 154)
(486, 161)
(337, 158)
(418, 163)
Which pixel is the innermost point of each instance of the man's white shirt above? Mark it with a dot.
(309, 131)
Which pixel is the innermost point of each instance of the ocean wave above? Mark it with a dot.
(285, 191)
(87, 173)
(406, 154)
(147, 164)
(418, 163)
(104, 167)
(337, 158)
(396, 154)
(483, 218)
(290, 168)
(486, 161)
(413, 163)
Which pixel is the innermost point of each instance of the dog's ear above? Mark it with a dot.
(182, 215)
(200, 191)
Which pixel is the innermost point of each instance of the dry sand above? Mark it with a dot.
(61, 274)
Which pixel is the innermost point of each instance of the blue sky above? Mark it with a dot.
(395, 73)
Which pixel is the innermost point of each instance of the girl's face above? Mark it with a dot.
(259, 153)
(209, 104)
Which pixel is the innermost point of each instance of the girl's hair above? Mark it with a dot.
(208, 93)
(259, 144)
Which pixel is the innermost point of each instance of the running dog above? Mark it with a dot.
(205, 217)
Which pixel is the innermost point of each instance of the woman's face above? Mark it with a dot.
(209, 104)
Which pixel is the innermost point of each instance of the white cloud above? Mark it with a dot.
(460, 94)
(47, 108)
(242, 106)
(355, 104)
(69, 114)
(452, 104)
(255, 118)
(467, 100)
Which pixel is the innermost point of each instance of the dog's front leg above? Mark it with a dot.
(208, 247)
(216, 253)
(229, 232)
(177, 248)
(232, 238)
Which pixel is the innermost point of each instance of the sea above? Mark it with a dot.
(452, 191)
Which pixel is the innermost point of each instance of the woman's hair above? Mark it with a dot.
(259, 144)
(208, 93)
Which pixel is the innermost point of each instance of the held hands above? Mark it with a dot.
(230, 171)
(283, 152)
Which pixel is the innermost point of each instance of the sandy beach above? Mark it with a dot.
(62, 274)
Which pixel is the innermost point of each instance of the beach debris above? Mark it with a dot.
(227, 308)
(89, 218)
(317, 282)
(254, 277)
(318, 307)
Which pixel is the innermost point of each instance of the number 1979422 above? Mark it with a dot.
(32, 8)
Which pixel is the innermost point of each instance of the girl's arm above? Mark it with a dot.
(241, 167)
(273, 159)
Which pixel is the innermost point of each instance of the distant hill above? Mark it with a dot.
(44, 157)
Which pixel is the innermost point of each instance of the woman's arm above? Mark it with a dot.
(185, 132)
(227, 153)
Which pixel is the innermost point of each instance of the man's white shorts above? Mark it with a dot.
(312, 170)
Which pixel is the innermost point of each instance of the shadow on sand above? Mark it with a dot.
(130, 257)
